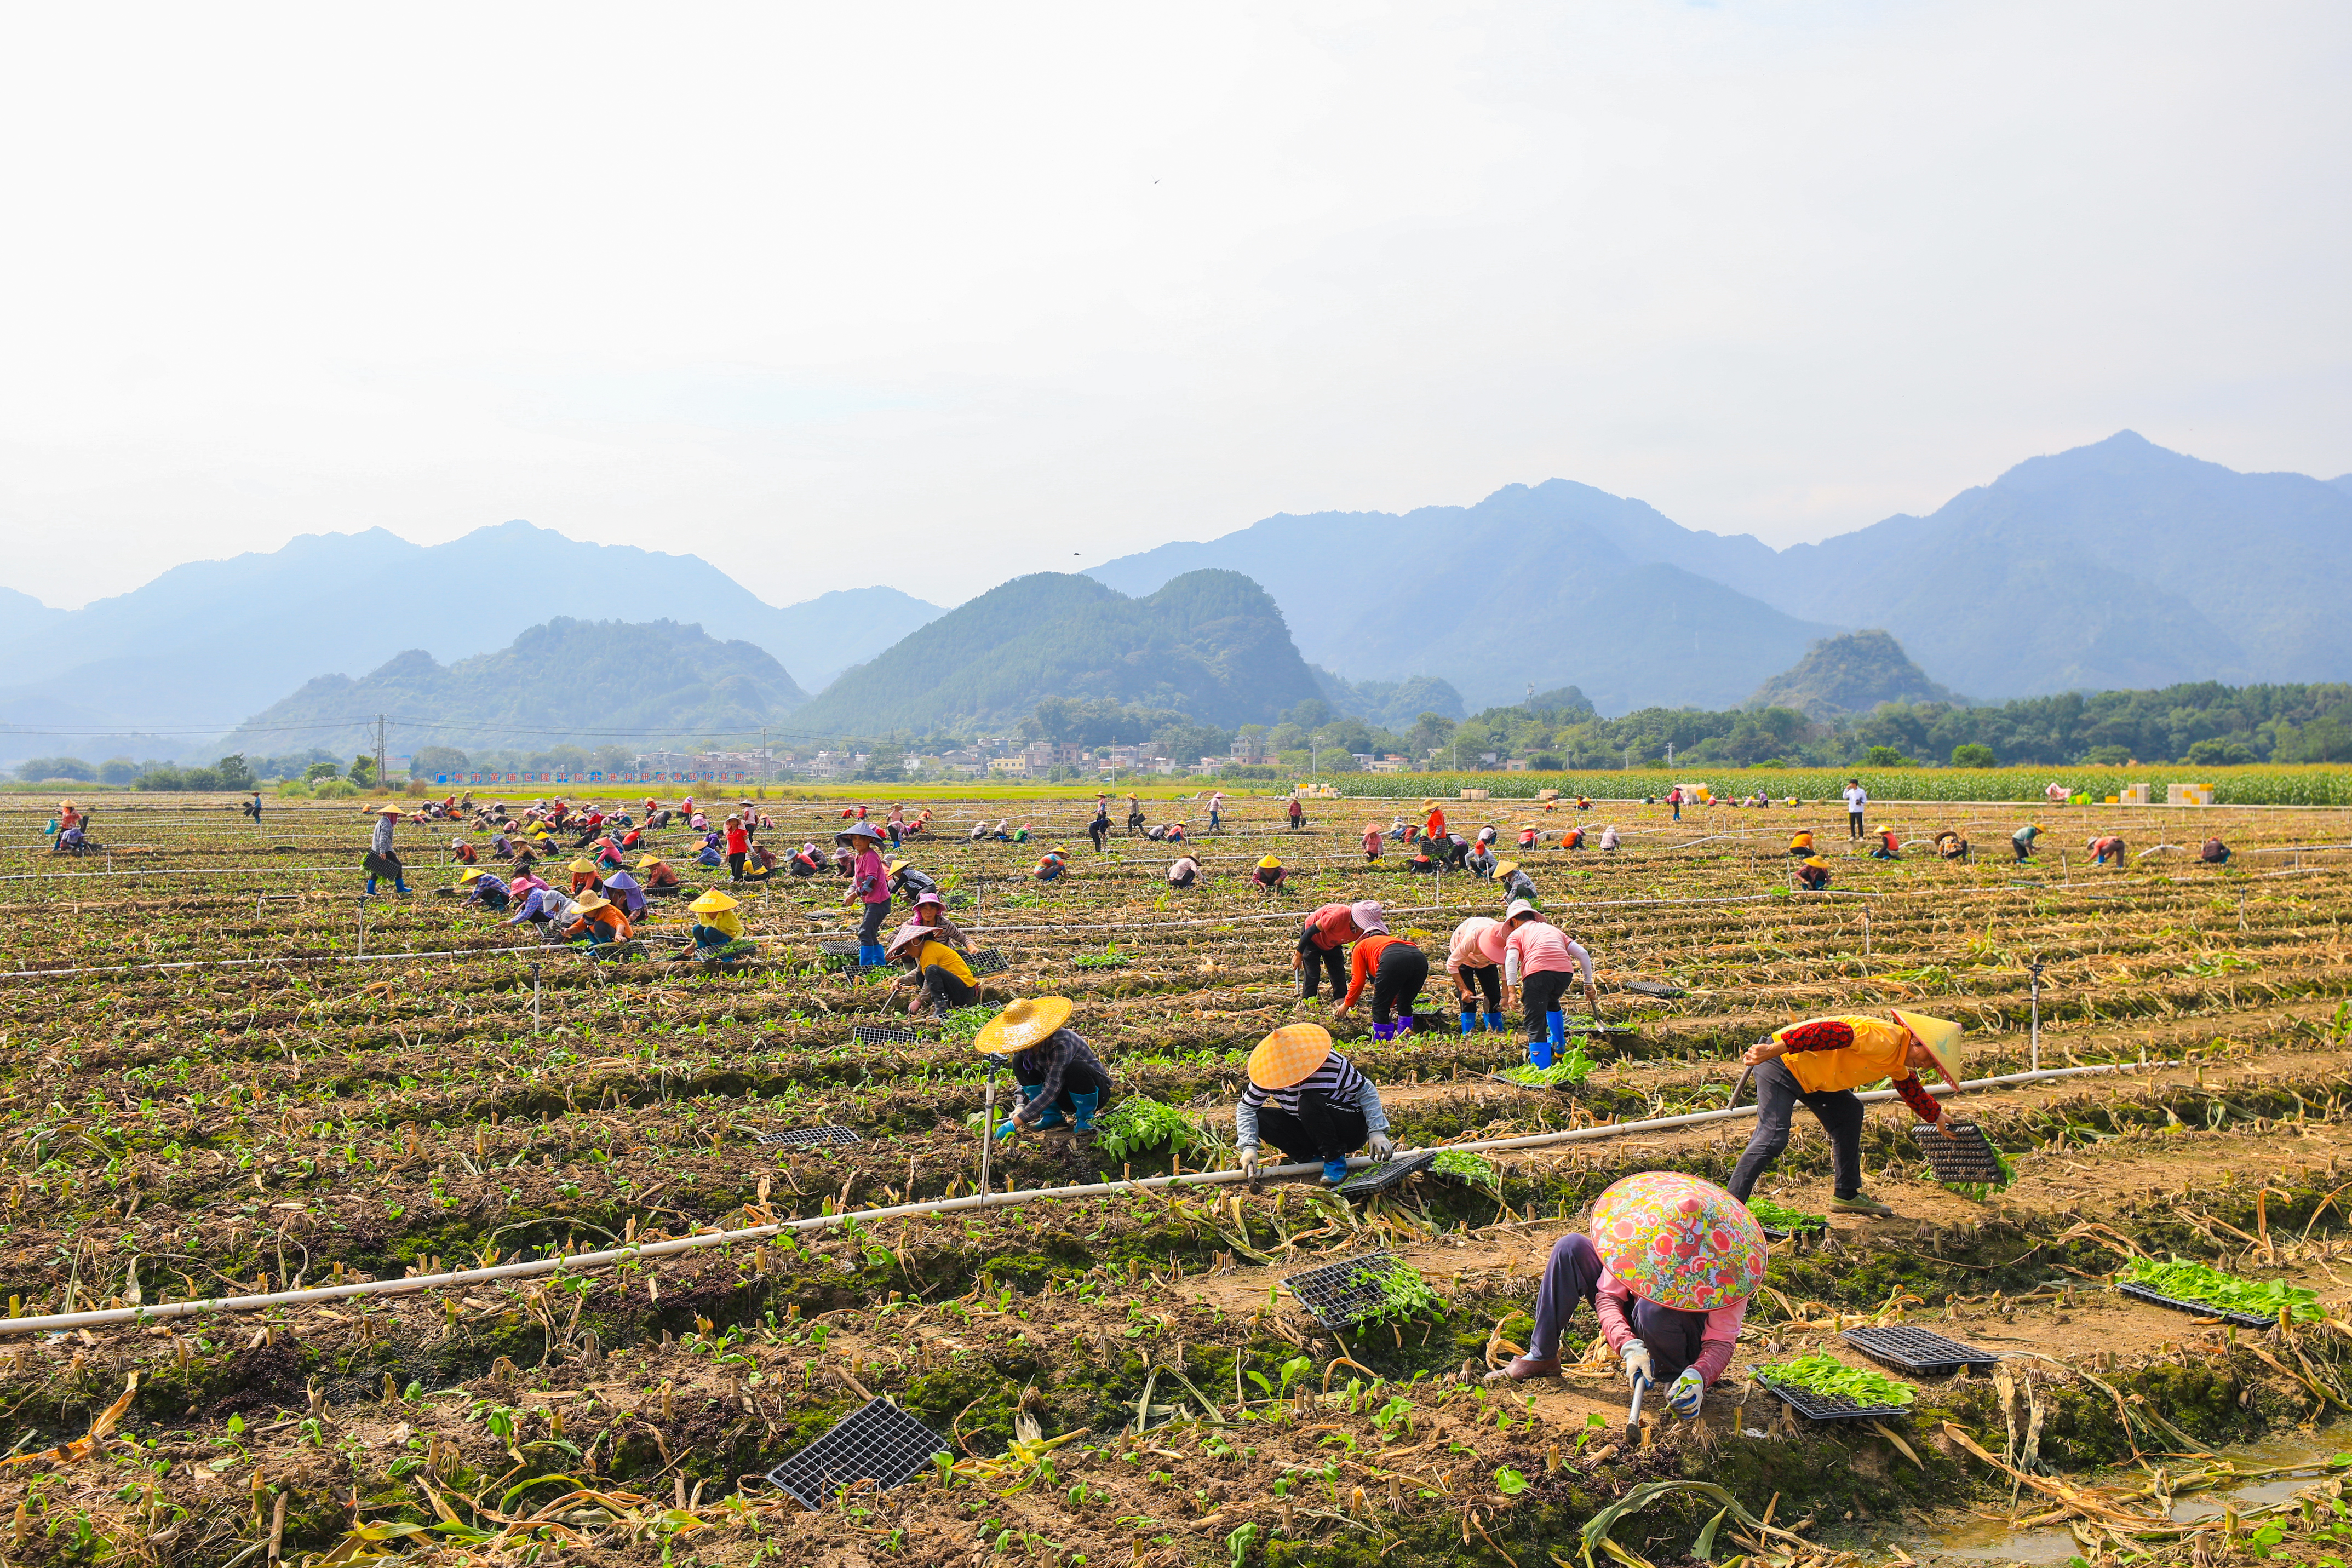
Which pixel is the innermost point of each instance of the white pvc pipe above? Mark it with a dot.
(61, 1322)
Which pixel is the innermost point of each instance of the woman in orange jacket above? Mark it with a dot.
(1821, 1062)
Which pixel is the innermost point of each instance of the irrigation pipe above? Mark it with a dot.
(62, 1322)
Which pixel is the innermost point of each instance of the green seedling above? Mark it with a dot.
(2210, 1287)
(1821, 1374)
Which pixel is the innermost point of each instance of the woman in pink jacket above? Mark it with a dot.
(1474, 963)
(1539, 960)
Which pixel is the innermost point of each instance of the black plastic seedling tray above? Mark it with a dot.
(2202, 1309)
(1342, 1294)
(827, 1136)
(1653, 988)
(1373, 1180)
(1916, 1351)
(886, 1034)
(1827, 1406)
(988, 961)
(878, 1442)
(1960, 1159)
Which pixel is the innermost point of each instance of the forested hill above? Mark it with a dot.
(569, 679)
(1210, 644)
(1852, 674)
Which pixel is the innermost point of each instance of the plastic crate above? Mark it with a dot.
(1344, 1293)
(878, 1442)
(1961, 1159)
(1917, 1351)
(1373, 1180)
(831, 1135)
(886, 1034)
(2202, 1309)
(1827, 1406)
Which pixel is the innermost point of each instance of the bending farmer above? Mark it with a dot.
(1310, 1103)
(1060, 1076)
(1822, 1061)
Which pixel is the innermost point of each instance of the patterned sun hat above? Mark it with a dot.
(1679, 1241)
(1289, 1055)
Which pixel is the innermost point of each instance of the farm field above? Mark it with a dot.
(229, 1075)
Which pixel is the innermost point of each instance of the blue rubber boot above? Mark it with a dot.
(1538, 1053)
(1085, 1105)
(1335, 1171)
(1556, 1027)
(1468, 1019)
(871, 956)
(1495, 1023)
(1052, 1116)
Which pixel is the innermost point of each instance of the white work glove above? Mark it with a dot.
(1380, 1148)
(1688, 1391)
(1637, 1364)
(1249, 1156)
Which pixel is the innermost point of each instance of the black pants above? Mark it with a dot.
(1183, 878)
(1316, 962)
(1458, 856)
(1839, 1111)
(1320, 1131)
(489, 900)
(1134, 824)
(735, 867)
(1540, 995)
(946, 984)
(1396, 983)
(869, 929)
(1854, 824)
(1486, 978)
(1098, 830)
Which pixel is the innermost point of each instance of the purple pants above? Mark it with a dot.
(1573, 1276)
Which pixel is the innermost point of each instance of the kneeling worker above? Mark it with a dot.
(942, 979)
(1310, 1103)
(1822, 1061)
(1060, 1076)
(1669, 1268)
(1813, 873)
(717, 930)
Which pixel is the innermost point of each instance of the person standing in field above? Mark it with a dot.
(870, 885)
(1857, 799)
(1297, 814)
(1539, 960)
(1100, 828)
(1674, 798)
(383, 859)
(1134, 816)
(1821, 1062)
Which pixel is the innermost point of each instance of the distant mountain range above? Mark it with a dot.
(1210, 644)
(585, 682)
(2117, 565)
(210, 642)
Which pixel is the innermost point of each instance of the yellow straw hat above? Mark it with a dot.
(582, 864)
(1289, 1055)
(712, 902)
(1269, 864)
(1942, 1038)
(592, 901)
(469, 875)
(387, 810)
(1817, 862)
(646, 863)
(1505, 868)
(1020, 1025)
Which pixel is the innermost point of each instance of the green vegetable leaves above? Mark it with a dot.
(1822, 1373)
(2198, 1282)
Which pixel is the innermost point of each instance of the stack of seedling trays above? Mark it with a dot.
(878, 1443)
(1373, 1180)
(1916, 1351)
(1963, 1159)
(1342, 1294)
(886, 1034)
(831, 1135)
(987, 961)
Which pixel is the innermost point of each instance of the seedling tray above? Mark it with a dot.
(827, 1136)
(2202, 1309)
(878, 1442)
(1653, 989)
(1828, 1406)
(1916, 1351)
(886, 1034)
(1342, 1294)
(988, 961)
(1373, 1180)
(1960, 1159)
(839, 949)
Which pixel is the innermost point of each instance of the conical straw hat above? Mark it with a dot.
(1023, 1023)
(1289, 1055)
(1942, 1038)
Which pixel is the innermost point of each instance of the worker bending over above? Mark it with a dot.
(2106, 849)
(1539, 960)
(482, 888)
(1329, 928)
(1309, 1101)
(1183, 871)
(1474, 961)
(1821, 1062)
(942, 978)
(1812, 873)
(1396, 970)
(2023, 839)
(1268, 876)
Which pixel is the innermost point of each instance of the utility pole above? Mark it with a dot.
(379, 752)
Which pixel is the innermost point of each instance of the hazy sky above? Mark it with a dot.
(936, 295)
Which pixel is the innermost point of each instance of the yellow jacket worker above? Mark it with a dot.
(1822, 1061)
